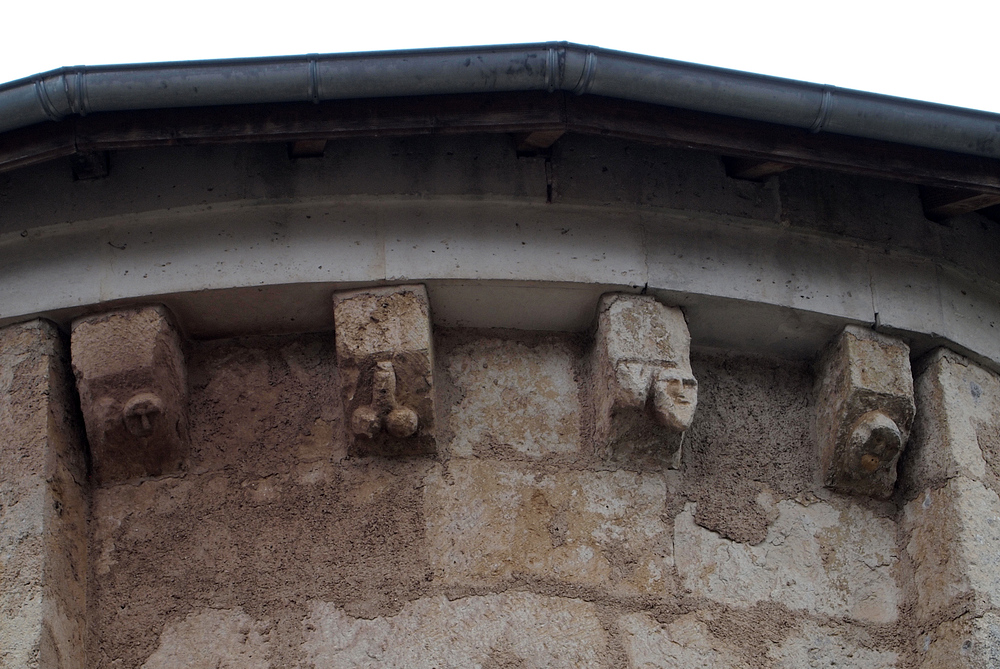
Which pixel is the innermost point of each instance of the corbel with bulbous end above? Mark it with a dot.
(132, 381)
(864, 410)
(385, 360)
(645, 394)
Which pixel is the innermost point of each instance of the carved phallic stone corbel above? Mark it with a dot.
(645, 391)
(864, 409)
(130, 373)
(385, 360)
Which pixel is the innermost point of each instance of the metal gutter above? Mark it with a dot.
(55, 95)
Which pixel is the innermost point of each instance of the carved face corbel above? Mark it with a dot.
(864, 409)
(133, 392)
(646, 394)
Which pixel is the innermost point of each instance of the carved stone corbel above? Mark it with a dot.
(864, 410)
(132, 381)
(645, 391)
(386, 363)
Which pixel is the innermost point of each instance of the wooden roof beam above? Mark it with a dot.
(749, 169)
(942, 203)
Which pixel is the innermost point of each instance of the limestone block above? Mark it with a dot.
(515, 629)
(515, 396)
(213, 639)
(864, 408)
(815, 558)
(43, 504)
(489, 523)
(957, 430)
(954, 543)
(968, 642)
(132, 381)
(818, 647)
(386, 367)
(685, 642)
(645, 392)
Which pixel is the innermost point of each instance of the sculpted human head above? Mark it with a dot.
(875, 442)
(675, 397)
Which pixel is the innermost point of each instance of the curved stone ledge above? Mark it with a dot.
(269, 267)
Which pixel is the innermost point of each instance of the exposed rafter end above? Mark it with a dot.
(750, 169)
(90, 165)
(942, 203)
(539, 140)
(307, 148)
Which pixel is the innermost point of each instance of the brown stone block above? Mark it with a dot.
(645, 392)
(968, 642)
(43, 504)
(132, 380)
(385, 359)
(954, 545)
(864, 410)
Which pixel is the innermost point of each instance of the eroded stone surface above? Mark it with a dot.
(488, 523)
(386, 367)
(132, 380)
(818, 647)
(645, 392)
(957, 430)
(864, 408)
(213, 639)
(814, 558)
(968, 642)
(516, 629)
(954, 543)
(351, 534)
(514, 395)
(685, 642)
(43, 507)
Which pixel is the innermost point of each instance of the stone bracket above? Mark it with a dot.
(130, 373)
(645, 391)
(385, 359)
(864, 410)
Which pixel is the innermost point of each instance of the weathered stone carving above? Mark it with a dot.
(385, 359)
(864, 411)
(645, 392)
(132, 381)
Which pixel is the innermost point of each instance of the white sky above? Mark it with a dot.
(930, 50)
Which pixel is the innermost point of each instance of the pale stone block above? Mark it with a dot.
(818, 647)
(957, 428)
(516, 629)
(514, 395)
(966, 643)
(645, 394)
(487, 523)
(386, 364)
(685, 642)
(213, 639)
(954, 543)
(43, 504)
(864, 409)
(815, 558)
(132, 380)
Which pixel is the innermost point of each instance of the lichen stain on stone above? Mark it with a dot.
(515, 395)
(487, 523)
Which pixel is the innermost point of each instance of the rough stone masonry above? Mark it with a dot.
(515, 541)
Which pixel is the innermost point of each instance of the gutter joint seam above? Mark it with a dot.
(45, 102)
(587, 77)
(551, 63)
(314, 78)
(823, 115)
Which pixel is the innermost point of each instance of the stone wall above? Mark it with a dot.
(43, 504)
(518, 544)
